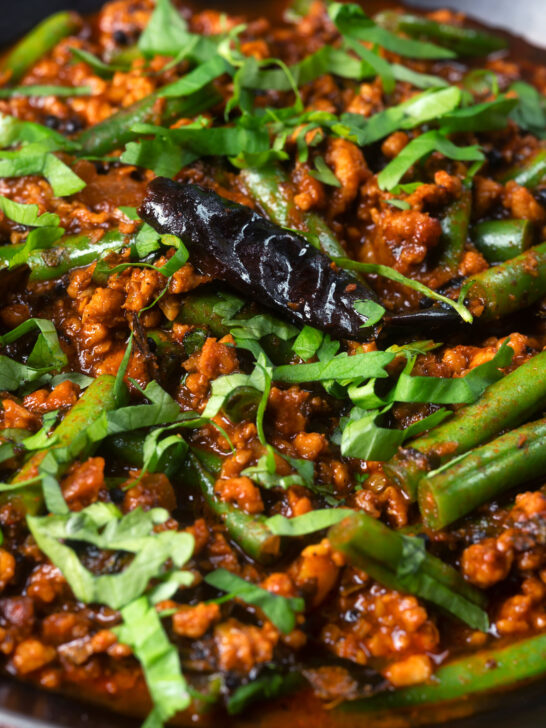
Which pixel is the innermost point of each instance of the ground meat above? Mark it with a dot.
(193, 622)
(484, 564)
(241, 491)
(316, 570)
(240, 647)
(350, 169)
(82, 485)
(31, 655)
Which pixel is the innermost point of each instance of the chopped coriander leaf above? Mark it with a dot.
(418, 149)
(166, 32)
(143, 632)
(47, 352)
(371, 310)
(160, 155)
(308, 522)
(421, 108)
(264, 473)
(16, 131)
(363, 438)
(104, 526)
(387, 272)
(341, 368)
(323, 173)
(352, 22)
(38, 158)
(530, 110)
(489, 116)
(97, 65)
(206, 141)
(197, 79)
(307, 342)
(400, 204)
(280, 610)
(27, 214)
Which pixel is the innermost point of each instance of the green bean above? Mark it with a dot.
(510, 286)
(97, 398)
(269, 187)
(464, 41)
(250, 532)
(38, 42)
(380, 551)
(483, 474)
(71, 251)
(115, 131)
(530, 173)
(504, 405)
(455, 231)
(490, 669)
(502, 240)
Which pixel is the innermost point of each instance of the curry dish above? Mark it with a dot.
(273, 369)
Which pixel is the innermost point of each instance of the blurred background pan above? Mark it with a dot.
(23, 706)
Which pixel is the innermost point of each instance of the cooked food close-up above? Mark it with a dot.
(273, 363)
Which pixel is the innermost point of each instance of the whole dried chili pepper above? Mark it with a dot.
(265, 262)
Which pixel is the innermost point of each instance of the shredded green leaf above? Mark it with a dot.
(280, 610)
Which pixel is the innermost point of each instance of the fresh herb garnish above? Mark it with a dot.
(280, 610)
(418, 149)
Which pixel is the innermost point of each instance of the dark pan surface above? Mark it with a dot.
(23, 706)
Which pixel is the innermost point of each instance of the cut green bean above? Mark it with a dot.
(97, 398)
(482, 474)
(38, 42)
(510, 286)
(250, 532)
(115, 131)
(530, 173)
(504, 405)
(490, 669)
(502, 240)
(455, 231)
(380, 551)
(268, 186)
(464, 41)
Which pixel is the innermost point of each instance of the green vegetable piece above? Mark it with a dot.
(530, 173)
(490, 669)
(308, 522)
(116, 131)
(352, 21)
(455, 231)
(483, 474)
(265, 687)
(250, 532)
(38, 42)
(420, 147)
(37, 91)
(510, 286)
(400, 562)
(504, 405)
(502, 240)
(280, 610)
(464, 41)
(97, 398)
